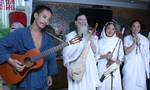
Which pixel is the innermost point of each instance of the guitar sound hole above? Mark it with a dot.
(27, 61)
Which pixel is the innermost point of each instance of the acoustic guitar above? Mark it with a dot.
(32, 59)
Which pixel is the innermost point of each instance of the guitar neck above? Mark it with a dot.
(49, 51)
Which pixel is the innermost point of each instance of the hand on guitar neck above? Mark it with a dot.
(109, 59)
(109, 62)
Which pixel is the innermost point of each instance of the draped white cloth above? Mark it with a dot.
(90, 78)
(136, 64)
(105, 45)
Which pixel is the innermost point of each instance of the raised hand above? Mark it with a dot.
(136, 40)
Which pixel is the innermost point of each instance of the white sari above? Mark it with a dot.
(90, 78)
(136, 65)
(105, 45)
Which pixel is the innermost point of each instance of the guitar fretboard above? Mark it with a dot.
(47, 52)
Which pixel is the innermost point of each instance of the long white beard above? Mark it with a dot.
(83, 30)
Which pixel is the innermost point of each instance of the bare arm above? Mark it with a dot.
(130, 48)
(93, 40)
(136, 42)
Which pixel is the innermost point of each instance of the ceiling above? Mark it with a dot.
(141, 2)
(138, 4)
(133, 1)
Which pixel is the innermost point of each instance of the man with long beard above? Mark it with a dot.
(83, 53)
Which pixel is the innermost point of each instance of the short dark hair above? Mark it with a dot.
(79, 14)
(38, 10)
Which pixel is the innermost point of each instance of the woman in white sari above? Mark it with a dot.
(110, 51)
(136, 64)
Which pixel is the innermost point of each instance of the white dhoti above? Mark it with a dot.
(90, 79)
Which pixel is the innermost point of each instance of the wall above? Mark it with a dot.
(64, 14)
(126, 15)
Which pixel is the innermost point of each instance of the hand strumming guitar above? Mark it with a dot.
(16, 64)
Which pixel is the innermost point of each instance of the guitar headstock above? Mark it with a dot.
(75, 40)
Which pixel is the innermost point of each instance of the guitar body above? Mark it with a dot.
(11, 75)
(32, 59)
(78, 69)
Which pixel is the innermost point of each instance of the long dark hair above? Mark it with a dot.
(77, 15)
(132, 22)
(76, 18)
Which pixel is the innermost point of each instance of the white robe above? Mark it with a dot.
(136, 64)
(109, 44)
(105, 45)
(90, 78)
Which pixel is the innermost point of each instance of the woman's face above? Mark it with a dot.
(110, 30)
(135, 28)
